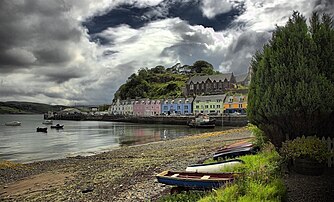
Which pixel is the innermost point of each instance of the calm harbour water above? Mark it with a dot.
(24, 144)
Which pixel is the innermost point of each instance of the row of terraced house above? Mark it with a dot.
(211, 104)
(203, 94)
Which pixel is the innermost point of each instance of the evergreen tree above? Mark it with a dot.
(292, 86)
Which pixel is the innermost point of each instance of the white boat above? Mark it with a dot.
(13, 123)
(47, 122)
(213, 167)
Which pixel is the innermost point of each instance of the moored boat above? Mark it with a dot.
(202, 121)
(194, 180)
(57, 126)
(13, 123)
(46, 122)
(45, 130)
(215, 167)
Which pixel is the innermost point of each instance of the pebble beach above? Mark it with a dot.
(124, 174)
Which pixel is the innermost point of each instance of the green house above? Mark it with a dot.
(210, 104)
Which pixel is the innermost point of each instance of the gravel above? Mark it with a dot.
(125, 174)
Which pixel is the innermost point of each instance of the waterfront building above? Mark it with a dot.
(235, 103)
(116, 107)
(210, 104)
(128, 107)
(146, 107)
(182, 106)
(210, 84)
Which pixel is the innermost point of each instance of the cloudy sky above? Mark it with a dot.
(81, 51)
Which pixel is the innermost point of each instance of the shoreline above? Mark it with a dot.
(123, 174)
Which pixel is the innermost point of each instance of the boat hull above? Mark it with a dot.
(213, 167)
(44, 130)
(57, 127)
(234, 153)
(195, 180)
(13, 123)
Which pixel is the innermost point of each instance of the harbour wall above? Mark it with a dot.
(226, 120)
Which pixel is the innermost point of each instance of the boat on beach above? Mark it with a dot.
(57, 126)
(47, 122)
(215, 167)
(235, 152)
(13, 123)
(194, 180)
(44, 130)
(202, 121)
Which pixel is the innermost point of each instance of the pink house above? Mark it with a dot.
(146, 107)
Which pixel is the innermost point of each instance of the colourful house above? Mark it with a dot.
(235, 103)
(181, 106)
(212, 104)
(146, 107)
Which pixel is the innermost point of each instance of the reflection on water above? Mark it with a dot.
(24, 144)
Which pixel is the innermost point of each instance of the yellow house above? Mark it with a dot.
(235, 103)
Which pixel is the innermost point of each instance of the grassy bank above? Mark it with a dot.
(261, 181)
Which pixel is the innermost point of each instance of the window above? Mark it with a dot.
(230, 106)
(219, 100)
(202, 86)
(230, 99)
(220, 85)
(241, 99)
(197, 106)
(218, 106)
(197, 101)
(165, 108)
(191, 87)
(208, 101)
(206, 106)
(214, 85)
(240, 105)
(207, 86)
(186, 107)
(178, 107)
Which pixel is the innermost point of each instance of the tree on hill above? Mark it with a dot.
(292, 86)
(159, 82)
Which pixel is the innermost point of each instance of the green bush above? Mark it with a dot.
(260, 137)
(301, 147)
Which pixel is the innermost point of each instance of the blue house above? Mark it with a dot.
(175, 106)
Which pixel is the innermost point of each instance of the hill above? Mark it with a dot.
(14, 107)
(161, 82)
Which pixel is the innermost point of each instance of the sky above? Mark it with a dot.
(79, 52)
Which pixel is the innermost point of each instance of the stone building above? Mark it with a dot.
(210, 84)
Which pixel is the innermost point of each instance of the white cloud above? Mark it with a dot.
(211, 8)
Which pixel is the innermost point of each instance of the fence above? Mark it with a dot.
(330, 146)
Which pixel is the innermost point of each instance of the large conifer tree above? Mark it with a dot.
(292, 87)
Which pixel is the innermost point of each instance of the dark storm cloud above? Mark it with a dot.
(135, 17)
(35, 33)
(239, 53)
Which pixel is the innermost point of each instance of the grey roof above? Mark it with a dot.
(211, 97)
(241, 77)
(217, 78)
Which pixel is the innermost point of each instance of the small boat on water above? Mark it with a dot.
(57, 126)
(47, 122)
(13, 123)
(215, 167)
(194, 180)
(202, 121)
(44, 130)
(235, 152)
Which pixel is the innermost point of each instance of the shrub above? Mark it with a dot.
(301, 147)
(260, 137)
(292, 81)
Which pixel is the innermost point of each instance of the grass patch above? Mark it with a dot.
(261, 180)
(11, 165)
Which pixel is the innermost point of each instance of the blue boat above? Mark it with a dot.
(194, 180)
